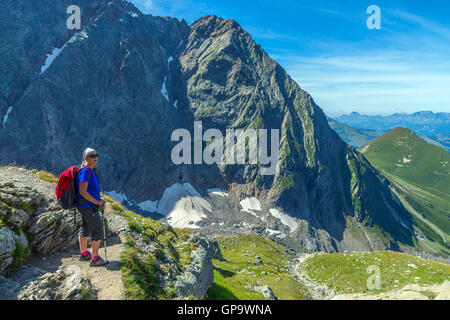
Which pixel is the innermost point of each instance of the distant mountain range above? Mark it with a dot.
(357, 129)
(354, 136)
(422, 122)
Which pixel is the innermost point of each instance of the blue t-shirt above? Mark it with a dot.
(93, 186)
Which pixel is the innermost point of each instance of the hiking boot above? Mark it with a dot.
(97, 263)
(86, 257)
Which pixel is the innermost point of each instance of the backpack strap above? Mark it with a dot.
(74, 196)
(89, 169)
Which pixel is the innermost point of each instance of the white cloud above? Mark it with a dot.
(422, 22)
(262, 33)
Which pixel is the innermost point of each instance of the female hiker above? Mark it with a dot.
(88, 203)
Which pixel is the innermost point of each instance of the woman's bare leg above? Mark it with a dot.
(83, 243)
(95, 245)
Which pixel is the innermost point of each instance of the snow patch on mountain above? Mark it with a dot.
(284, 218)
(164, 89)
(6, 115)
(79, 36)
(217, 192)
(50, 58)
(251, 205)
(118, 196)
(183, 206)
(276, 233)
(149, 206)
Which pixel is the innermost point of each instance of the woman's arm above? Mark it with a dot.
(86, 195)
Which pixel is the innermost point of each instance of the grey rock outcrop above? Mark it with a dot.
(266, 291)
(31, 221)
(198, 276)
(60, 285)
(53, 229)
(7, 248)
(217, 253)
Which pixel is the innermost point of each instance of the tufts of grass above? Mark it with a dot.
(140, 275)
(139, 270)
(48, 177)
(86, 294)
(19, 255)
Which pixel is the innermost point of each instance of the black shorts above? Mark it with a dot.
(91, 223)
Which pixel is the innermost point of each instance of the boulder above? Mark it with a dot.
(53, 230)
(61, 285)
(199, 275)
(266, 291)
(7, 248)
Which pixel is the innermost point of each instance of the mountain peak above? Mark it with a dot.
(401, 130)
(423, 113)
(212, 24)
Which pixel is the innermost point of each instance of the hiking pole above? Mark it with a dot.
(104, 232)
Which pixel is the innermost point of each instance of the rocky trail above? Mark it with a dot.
(106, 280)
(315, 290)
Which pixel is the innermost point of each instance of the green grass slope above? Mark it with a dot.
(402, 153)
(253, 260)
(348, 272)
(420, 176)
(430, 215)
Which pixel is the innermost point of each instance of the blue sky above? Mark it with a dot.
(327, 48)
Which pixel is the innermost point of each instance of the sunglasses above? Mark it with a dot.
(93, 155)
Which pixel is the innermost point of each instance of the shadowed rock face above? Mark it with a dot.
(125, 81)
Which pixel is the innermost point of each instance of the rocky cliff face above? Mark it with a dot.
(125, 81)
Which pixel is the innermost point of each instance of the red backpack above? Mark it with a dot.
(66, 191)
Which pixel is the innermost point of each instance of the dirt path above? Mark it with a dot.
(106, 280)
(315, 290)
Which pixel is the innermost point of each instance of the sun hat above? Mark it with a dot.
(87, 152)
